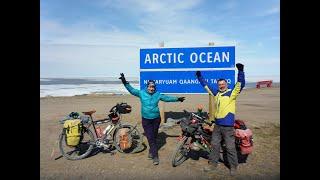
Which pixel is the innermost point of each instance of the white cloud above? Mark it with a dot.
(229, 5)
(79, 47)
(151, 6)
(86, 44)
(272, 61)
(82, 46)
(172, 33)
(50, 26)
(271, 11)
(162, 21)
(255, 78)
(260, 68)
(88, 60)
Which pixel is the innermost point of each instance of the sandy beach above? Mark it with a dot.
(259, 108)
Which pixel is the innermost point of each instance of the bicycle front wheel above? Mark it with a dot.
(181, 152)
(82, 150)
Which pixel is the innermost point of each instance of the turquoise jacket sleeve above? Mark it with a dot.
(132, 90)
(166, 98)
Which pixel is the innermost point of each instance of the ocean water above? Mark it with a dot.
(81, 86)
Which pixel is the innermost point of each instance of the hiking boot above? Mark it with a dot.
(155, 161)
(233, 171)
(149, 156)
(211, 167)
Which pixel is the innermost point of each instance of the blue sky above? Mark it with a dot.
(99, 38)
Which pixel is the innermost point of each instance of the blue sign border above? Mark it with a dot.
(192, 57)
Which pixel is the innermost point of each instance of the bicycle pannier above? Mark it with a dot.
(73, 131)
(124, 140)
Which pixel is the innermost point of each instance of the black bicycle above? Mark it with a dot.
(195, 137)
(106, 139)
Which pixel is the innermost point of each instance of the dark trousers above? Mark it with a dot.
(151, 127)
(227, 134)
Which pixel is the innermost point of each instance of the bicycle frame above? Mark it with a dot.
(101, 121)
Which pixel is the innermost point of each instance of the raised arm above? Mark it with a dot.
(126, 84)
(204, 83)
(240, 82)
(132, 90)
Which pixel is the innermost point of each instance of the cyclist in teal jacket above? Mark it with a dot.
(149, 98)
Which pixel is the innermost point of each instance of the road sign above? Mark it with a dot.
(174, 69)
(185, 81)
(201, 57)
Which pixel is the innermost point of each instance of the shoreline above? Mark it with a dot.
(274, 85)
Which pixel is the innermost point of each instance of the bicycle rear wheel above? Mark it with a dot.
(82, 150)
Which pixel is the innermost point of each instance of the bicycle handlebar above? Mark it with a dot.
(199, 118)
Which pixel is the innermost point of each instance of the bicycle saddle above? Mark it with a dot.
(89, 112)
